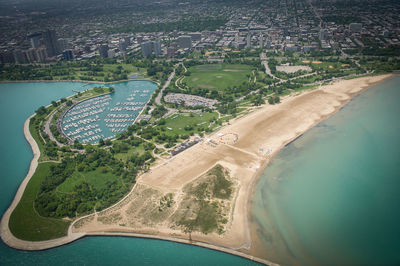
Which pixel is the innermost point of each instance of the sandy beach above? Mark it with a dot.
(258, 136)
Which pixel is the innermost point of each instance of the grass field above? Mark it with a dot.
(176, 124)
(217, 76)
(96, 179)
(126, 155)
(25, 223)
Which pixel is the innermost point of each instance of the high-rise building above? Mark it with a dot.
(248, 41)
(35, 39)
(30, 55)
(185, 42)
(147, 48)
(268, 44)
(323, 34)
(111, 53)
(157, 47)
(261, 41)
(41, 54)
(103, 50)
(50, 41)
(128, 41)
(171, 51)
(68, 55)
(122, 45)
(62, 44)
(6, 57)
(19, 57)
(237, 37)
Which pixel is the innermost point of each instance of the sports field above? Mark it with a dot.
(217, 76)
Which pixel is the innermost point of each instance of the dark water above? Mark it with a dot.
(333, 195)
(17, 103)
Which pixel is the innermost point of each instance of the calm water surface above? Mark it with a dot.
(332, 196)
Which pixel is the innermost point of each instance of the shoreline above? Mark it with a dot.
(290, 141)
(245, 203)
(77, 81)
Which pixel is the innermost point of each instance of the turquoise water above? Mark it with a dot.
(332, 196)
(17, 102)
(104, 116)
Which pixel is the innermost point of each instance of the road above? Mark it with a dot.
(158, 98)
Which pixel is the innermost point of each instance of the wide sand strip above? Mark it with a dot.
(261, 135)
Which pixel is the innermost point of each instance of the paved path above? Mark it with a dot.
(158, 98)
(47, 129)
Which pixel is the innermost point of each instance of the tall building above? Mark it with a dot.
(68, 55)
(147, 48)
(185, 41)
(111, 53)
(268, 44)
(35, 39)
(261, 41)
(128, 41)
(62, 44)
(50, 41)
(237, 37)
(157, 47)
(6, 57)
(41, 54)
(103, 50)
(323, 34)
(30, 55)
(248, 41)
(171, 52)
(19, 57)
(122, 45)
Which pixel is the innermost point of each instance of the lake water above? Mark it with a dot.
(332, 196)
(17, 102)
(104, 116)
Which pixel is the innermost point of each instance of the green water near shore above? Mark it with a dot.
(332, 196)
(17, 102)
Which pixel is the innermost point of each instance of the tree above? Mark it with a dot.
(41, 111)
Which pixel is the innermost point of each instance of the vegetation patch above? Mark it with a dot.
(206, 203)
(25, 222)
(219, 76)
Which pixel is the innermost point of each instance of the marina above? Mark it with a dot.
(104, 116)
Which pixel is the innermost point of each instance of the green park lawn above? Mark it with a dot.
(25, 223)
(176, 124)
(124, 156)
(217, 76)
(97, 179)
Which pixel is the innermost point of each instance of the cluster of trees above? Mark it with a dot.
(273, 99)
(85, 197)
